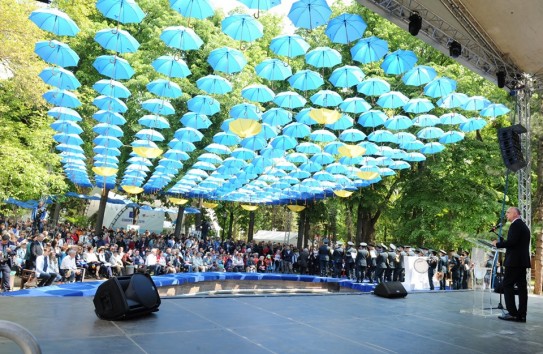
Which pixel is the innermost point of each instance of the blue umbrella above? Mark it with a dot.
(258, 93)
(225, 126)
(430, 133)
(242, 27)
(107, 129)
(226, 139)
(354, 105)
(452, 100)
(426, 120)
(245, 110)
(326, 98)
(284, 142)
(217, 149)
(305, 80)
(182, 38)
(55, 52)
(333, 147)
(198, 9)
(254, 143)
(109, 159)
(164, 88)
(336, 168)
(296, 130)
(66, 126)
(204, 105)
(203, 165)
(310, 167)
(177, 144)
(418, 105)
(214, 84)
(398, 122)
(309, 14)
(432, 148)
(399, 62)
(451, 137)
(149, 134)
(412, 145)
(158, 106)
(352, 135)
(104, 150)
(273, 70)
(345, 28)
(176, 155)
(494, 110)
(415, 156)
(243, 153)
(419, 75)
(113, 67)
(372, 118)
(54, 21)
(289, 99)
(308, 148)
(399, 165)
(109, 103)
(368, 50)
(392, 99)
(117, 40)
(473, 124)
(322, 135)
(303, 117)
(260, 4)
(296, 157)
(370, 147)
(404, 137)
(62, 98)
(289, 45)
(154, 121)
(439, 87)
(381, 136)
(323, 57)
(276, 117)
(452, 118)
(188, 134)
(109, 117)
(344, 122)
(267, 131)
(111, 88)
(373, 87)
(171, 66)
(195, 120)
(475, 103)
(108, 141)
(64, 113)
(227, 60)
(124, 11)
(59, 77)
(346, 76)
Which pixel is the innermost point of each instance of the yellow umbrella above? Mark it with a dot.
(343, 193)
(324, 116)
(147, 152)
(296, 208)
(249, 207)
(244, 128)
(105, 171)
(367, 175)
(209, 205)
(132, 189)
(179, 201)
(351, 150)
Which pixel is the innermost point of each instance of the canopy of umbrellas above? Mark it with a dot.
(297, 150)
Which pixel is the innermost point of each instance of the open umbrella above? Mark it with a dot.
(354, 105)
(346, 76)
(108, 130)
(398, 122)
(276, 117)
(109, 87)
(475, 103)
(309, 14)
(204, 105)
(176, 155)
(198, 9)
(109, 103)
(188, 134)
(245, 110)
(66, 126)
(368, 50)
(439, 87)
(296, 130)
(372, 118)
(432, 148)
(257, 93)
(373, 87)
(124, 11)
(430, 133)
(473, 124)
(117, 40)
(260, 4)
(418, 105)
(149, 134)
(399, 62)
(289, 99)
(226, 139)
(425, 120)
(243, 153)
(186, 146)
(284, 142)
(392, 99)
(158, 106)
(289, 45)
(242, 27)
(344, 122)
(64, 113)
(273, 70)
(114, 67)
(171, 66)
(55, 52)
(182, 38)
(494, 110)
(452, 100)
(451, 137)
(227, 60)
(323, 57)
(154, 121)
(55, 21)
(452, 118)
(381, 136)
(59, 77)
(216, 149)
(352, 135)
(345, 28)
(326, 98)
(305, 80)
(108, 141)
(62, 98)
(322, 135)
(214, 84)
(419, 75)
(109, 117)
(195, 120)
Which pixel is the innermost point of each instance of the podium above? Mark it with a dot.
(483, 260)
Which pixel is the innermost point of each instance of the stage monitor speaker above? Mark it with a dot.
(391, 290)
(510, 146)
(126, 297)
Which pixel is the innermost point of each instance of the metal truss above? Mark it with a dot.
(523, 96)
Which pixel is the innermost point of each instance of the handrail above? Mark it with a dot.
(20, 335)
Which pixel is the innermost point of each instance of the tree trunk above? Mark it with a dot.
(349, 223)
(101, 211)
(307, 225)
(302, 241)
(365, 225)
(538, 260)
(179, 221)
(231, 223)
(251, 227)
(56, 213)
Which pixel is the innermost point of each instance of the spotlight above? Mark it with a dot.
(415, 23)
(455, 49)
(500, 75)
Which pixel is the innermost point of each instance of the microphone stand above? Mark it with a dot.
(497, 274)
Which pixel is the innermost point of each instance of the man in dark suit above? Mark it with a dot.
(517, 260)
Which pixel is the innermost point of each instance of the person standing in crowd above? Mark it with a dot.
(517, 261)
(6, 254)
(361, 262)
(338, 259)
(350, 257)
(399, 265)
(39, 215)
(443, 269)
(381, 263)
(391, 266)
(466, 269)
(303, 261)
(287, 256)
(454, 269)
(324, 258)
(432, 265)
(36, 249)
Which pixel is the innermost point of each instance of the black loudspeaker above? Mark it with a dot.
(391, 290)
(509, 139)
(500, 76)
(126, 297)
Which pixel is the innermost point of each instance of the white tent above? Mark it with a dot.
(277, 236)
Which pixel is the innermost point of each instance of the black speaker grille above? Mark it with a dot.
(510, 147)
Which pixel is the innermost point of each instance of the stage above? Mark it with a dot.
(427, 322)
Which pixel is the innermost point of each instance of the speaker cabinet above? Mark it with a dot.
(510, 146)
(126, 297)
(391, 289)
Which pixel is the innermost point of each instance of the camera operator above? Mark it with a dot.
(39, 215)
(6, 254)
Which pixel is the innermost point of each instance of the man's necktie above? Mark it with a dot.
(45, 263)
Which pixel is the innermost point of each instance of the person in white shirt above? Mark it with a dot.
(151, 261)
(68, 269)
(44, 270)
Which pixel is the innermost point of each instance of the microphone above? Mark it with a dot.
(495, 227)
